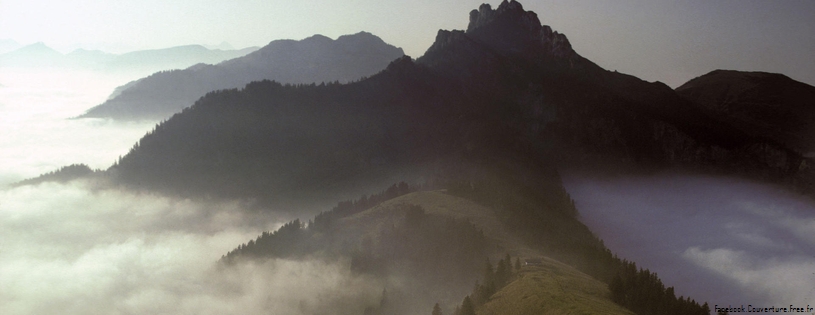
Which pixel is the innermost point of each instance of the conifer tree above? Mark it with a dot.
(383, 302)
(467, 307)
(501, 274)
(617, 289)
(489, 274)
(437, 310)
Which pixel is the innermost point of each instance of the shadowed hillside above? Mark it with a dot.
(764, 105)
(62, 175)
(440, 240)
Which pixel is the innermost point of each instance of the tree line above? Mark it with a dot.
(492, 281)
(290, 239)
(641, 291)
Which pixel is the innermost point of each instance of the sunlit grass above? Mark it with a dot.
(552, 288)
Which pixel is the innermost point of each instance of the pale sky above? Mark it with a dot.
(669, 41)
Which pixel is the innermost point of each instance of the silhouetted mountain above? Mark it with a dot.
(34, 55)
(585, 116)
(507, 89)
(91, 59)
(7, 45)
(314, 59)
(40, 55)
(175, 57)
(222, 46)
(62, 175)
(763, 105)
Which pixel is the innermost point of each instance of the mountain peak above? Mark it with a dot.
(507, 9)
(510, 28)
(34, 51)
(37, 47)
(361, 38)
(318, 38)
(363, 34)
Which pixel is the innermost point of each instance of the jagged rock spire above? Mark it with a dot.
(512, 10)
(512, 28)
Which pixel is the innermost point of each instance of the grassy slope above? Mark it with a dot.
(440, 203)
(552, 288)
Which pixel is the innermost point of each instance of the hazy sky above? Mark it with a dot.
(669, 41)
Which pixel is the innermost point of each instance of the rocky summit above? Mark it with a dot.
(510, 27)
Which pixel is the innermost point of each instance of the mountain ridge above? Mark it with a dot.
(762, 104)
(313, 59)
(40, 55)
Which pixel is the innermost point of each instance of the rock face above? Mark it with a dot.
(510, 27)
(314, 59)
(596, 117)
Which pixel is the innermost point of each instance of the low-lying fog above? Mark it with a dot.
(76, 249)
(79, 248)
(720, 240)
(36, 135)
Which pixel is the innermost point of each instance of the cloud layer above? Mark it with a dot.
(38, 137)
(69, 249)
(719, 240)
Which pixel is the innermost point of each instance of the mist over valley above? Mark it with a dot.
(39, 137)
(731, 240)
(499, 172)
(77, 249)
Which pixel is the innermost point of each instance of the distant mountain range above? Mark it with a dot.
(40, 55)
(314, 59)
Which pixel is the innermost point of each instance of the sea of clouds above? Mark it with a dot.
(84, 248)
(721, 240)
(79, 249)
(36, 132)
